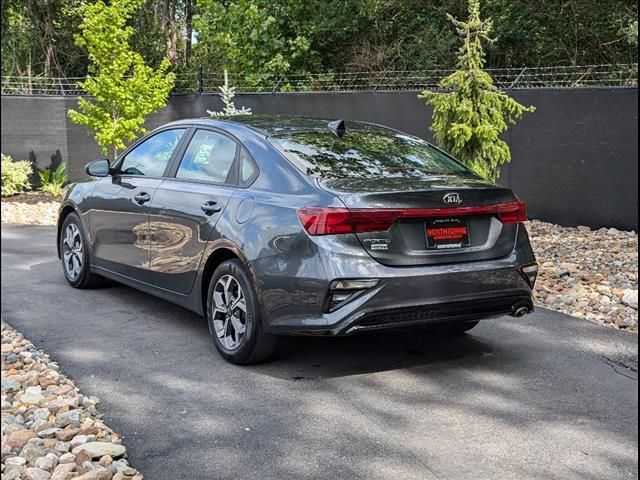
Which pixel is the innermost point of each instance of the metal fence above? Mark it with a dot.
(208, 82)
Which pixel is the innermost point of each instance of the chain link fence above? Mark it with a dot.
(204, 81)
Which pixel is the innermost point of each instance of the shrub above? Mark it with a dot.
(15, 176)
(52, 183)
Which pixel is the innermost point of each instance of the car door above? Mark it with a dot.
(119, 219)
(188, 205)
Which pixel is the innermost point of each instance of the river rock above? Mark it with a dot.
(100, 449)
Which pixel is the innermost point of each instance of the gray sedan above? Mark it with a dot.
(279, 225)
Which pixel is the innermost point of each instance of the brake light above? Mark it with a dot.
(513, 212)
(332, 221)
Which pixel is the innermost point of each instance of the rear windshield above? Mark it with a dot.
(365, 153)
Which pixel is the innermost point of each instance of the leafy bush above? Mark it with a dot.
(15, 176)
(52, 183)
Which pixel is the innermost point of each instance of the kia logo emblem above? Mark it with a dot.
(452, 199)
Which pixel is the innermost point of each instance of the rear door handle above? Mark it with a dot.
(209, 207)
(142, 197)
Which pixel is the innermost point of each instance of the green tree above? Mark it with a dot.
(37, 38)
(123, 88)
(469, 117)
(245, 37)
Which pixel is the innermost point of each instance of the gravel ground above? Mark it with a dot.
(31, 208)
(50, 431)
(586, 273)
(591, 274)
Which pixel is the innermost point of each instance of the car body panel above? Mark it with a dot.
(292, 271)
(119, 226)
(179, 230)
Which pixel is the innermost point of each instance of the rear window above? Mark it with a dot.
(368, 152)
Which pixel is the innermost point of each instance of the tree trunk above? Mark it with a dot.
(189, 6)
(169, 27)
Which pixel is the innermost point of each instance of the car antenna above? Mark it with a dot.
(337, 128)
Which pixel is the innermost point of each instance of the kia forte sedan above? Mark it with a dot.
(282, 225)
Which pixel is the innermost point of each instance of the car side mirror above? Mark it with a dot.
(98, 168)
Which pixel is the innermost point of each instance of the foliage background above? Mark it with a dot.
(296, 36)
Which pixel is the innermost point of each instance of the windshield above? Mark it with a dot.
(365, 152)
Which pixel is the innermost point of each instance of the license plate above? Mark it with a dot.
(446, 233)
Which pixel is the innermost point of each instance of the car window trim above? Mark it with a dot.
(118, 163)
(233, 176)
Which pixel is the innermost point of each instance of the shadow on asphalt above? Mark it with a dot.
(306, 358)
(300, 358)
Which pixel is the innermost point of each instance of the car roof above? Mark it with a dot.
(275, 124)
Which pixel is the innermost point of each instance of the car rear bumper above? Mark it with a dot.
(403, 296)
(423, 315)
(409, 301)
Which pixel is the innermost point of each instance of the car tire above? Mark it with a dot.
(233, 316)
(74, 254)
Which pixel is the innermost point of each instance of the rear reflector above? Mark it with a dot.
(531, 273)
(343, 291)
(332, 221)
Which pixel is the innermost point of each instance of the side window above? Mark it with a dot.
(151, 157)
(209, 157)
(247, 168)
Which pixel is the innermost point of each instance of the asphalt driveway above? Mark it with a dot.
(547, 396)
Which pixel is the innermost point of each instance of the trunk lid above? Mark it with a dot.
(430, 231)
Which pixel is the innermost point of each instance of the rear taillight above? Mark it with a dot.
(332, 221)
(512, 212)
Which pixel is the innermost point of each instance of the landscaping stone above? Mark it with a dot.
(18, 439)
(10, 385)
(35, 473)
(67, 434)
(99, 449)
(67, 458)
(78, 440)
(70, 418)
(15, 461)
(32, 395)
(99, 473)
(49, 432)
(44, 416)
(12, 472)
(64, 471)
(590, 274)
(46, 463)
(32, 452)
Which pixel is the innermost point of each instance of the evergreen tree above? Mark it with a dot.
(227, 93)
(470, 115)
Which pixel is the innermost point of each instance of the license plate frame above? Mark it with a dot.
(448, 233)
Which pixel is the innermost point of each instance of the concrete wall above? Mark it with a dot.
(574, 159)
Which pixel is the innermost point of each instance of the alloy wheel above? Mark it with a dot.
(229, 312)
(72, 251)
